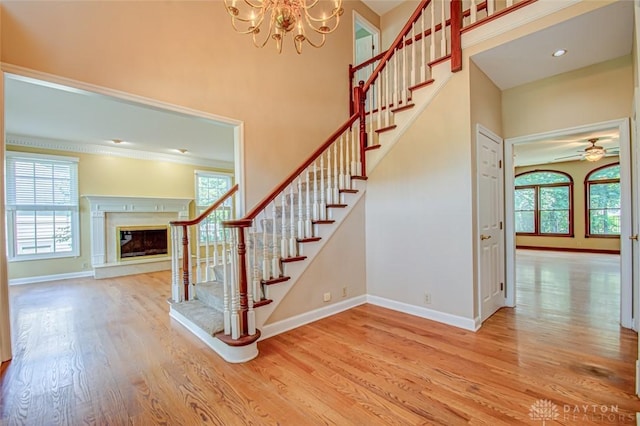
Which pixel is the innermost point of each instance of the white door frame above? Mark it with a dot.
(5, 318)
(361, 20)
(480, 129)
(627, 287)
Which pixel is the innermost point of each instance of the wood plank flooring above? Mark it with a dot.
(106, 352)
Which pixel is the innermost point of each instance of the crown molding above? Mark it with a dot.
(87, 148)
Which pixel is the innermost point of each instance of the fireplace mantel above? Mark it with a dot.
(116, 203)
(100, 206)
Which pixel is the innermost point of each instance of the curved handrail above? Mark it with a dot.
(206, 213)
(277, 190)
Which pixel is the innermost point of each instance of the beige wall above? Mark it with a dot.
(392, 22)
(109, 175)
(578, 170)
(486, 110)
(589, 95)
(186, 53)
(419, 219)
(340, 264)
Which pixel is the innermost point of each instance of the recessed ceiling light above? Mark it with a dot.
(559, 52)
(117, 141)
(182, 151)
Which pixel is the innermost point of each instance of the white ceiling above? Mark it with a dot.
(594, 37)
(42, 111)
(381, 6)
(39, 110)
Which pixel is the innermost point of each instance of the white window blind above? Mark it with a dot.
(42, 206)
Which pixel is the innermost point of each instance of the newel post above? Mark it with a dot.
(185, 260)
(456, 35)
(359, 100)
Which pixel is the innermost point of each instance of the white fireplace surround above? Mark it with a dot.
(110, 211)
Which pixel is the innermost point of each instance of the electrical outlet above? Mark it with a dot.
(427, 298)
(327, 297)
(344, 292)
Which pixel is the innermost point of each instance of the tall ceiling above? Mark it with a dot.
(39, 110)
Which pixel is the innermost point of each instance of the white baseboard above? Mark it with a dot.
(449, 319)
(45, 278)
(233, 354)
(278, 327)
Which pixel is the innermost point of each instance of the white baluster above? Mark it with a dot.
(329, 187)
(275, 258)
(371, 129)
(226, 285)
(293, 242)
(357, 168)
(253, 262)
(413, 55)
(387, 97)
(443, 22)
(432, 45)
(190, 295)
(300, 234)
(395, 79)
(347, 159)
(196, 241)
(378, 87)
(216, 257)
(316, 206)
(509, 3)
(307, 220)
(251, 296)
(473, 11)
(175, 265)
(235, 291)
(266, 262)
(284, 242)
(341, 166)
(336, 188)
(404, 87)
(323, 205)
(423, 48)
(490, 7)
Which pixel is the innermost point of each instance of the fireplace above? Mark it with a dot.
(137, 242)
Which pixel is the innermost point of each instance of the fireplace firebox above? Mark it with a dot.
(138, 242)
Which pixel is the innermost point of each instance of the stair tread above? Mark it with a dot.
(323, 222)
(293, 259)
(261, 303)
(386, 129)
(204, 316)
(309, 240)
(348, 191)
(339, 206)
(276, 280)
(423, 84)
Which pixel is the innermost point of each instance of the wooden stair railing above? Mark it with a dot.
(271, 234)
(207, 239)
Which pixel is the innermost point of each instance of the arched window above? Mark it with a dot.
(602, 188)
(544, 203)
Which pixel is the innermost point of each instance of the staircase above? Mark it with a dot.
(228, 275)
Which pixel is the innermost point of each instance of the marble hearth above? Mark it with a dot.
(109, 213)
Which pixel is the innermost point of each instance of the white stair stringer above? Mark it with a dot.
(441, 73)
(294, 270)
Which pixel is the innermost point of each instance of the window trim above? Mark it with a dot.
(587, 199)
(12, 209)
(536, 188)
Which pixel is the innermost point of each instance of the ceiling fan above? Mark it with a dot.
(591, 153)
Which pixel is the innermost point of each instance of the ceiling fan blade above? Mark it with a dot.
(567, 156)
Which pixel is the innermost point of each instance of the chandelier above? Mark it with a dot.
(299, 17)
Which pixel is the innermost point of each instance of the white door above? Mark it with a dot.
(365, 49)
(490, 222)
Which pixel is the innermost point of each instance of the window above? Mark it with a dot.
(42, 206)
(602, 187)
(209, 188)
(544, 203)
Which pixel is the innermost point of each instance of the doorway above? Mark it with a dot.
(575, 140)
(366, 45)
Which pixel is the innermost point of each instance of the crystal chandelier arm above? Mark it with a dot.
(268, 36)
(327, 30)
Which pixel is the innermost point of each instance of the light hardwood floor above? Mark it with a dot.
(106, 352)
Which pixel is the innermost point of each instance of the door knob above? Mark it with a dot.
(486, 237)
(634, 237)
